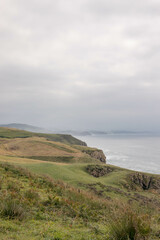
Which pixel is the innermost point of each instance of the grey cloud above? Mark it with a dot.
(124, 7)
(82, 65)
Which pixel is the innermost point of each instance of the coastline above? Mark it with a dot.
(137, 153)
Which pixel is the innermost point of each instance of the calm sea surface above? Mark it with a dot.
(136, 152)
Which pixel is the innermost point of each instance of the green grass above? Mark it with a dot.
(50, 209)
(55, 197)
(76, 173)
(64, 159)
(60, 147)
(15, 133)
(112, 184)
(130, 225)
(43, 208)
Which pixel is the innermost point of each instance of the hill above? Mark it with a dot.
(15, 133)
(54, 190)
(26, 127)
(38, 207)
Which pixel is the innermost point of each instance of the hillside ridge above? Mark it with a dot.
(17, 133)
(47, 147)
(26, 127)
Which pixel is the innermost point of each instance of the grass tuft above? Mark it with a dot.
(129, 225)
(12, 209)
(32, 195)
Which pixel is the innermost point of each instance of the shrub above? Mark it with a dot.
(12, 209)
(129, 225)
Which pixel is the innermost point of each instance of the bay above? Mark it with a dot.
(135, 152)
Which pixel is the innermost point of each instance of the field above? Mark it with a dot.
(56, 190)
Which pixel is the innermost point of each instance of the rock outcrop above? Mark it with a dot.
(99, 155)
(145, 181)
(96, 153)
(98, 170)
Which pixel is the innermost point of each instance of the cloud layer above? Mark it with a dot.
(80, 64)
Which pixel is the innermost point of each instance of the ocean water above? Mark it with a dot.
(136, 152)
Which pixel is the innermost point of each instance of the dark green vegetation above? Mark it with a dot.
(60, 191)
(64, 159)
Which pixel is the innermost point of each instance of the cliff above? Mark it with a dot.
(99, 155)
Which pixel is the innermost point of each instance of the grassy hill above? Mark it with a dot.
(15, 133)
(38, 207)
(45, 147)
(55, 191)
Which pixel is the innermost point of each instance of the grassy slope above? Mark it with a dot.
(36, 207)
(31, 152)
(39, 148)
(46, 209)
(107, 187)
(15, 133)
(110, 186)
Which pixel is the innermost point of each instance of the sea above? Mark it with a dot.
(140, 152)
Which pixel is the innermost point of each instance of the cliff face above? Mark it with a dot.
(98, 154)
(145, 182)
(95, 153)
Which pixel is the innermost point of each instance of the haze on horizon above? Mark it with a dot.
(89, 64)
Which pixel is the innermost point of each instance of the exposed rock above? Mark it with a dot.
(97, 154)
(144, 181)
(98, 170)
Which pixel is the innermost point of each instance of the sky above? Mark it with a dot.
(80, 65)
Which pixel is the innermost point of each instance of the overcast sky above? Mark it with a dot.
(87, 64)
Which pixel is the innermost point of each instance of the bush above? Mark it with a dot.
(12, 209)
(129, 225)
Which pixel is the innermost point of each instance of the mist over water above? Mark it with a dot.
(136, 152)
